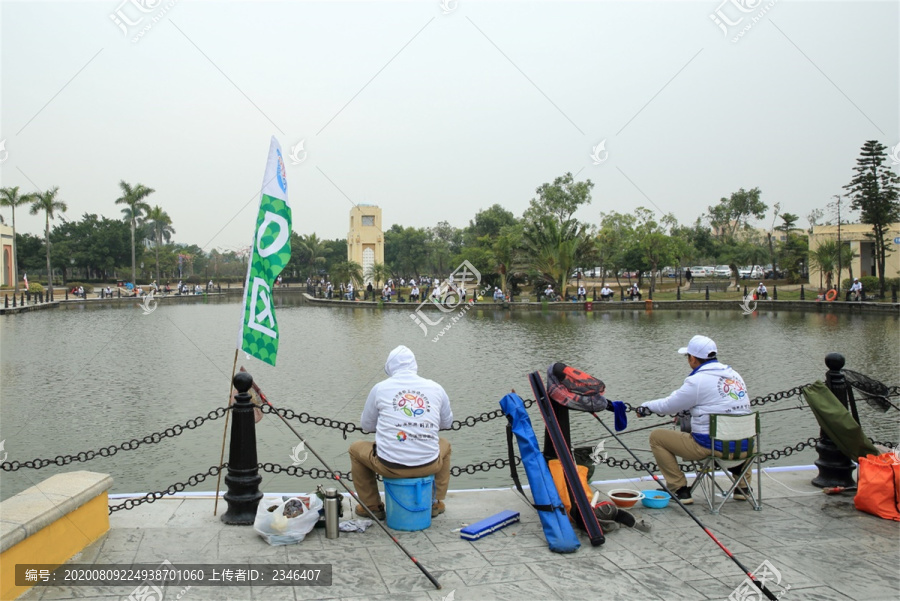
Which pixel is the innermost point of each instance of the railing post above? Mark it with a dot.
(678, 293)
(707, 293)
(835, 469)
(243, 477)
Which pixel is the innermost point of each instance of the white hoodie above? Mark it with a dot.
(406, 411)
(711, 388)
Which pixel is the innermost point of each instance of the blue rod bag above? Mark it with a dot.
(551, 511)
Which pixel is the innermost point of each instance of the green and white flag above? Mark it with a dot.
(271, 251)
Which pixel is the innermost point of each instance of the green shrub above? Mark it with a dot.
(34, 287)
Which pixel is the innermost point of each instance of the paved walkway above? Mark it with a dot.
(822, 547)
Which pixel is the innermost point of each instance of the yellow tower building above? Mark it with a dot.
(365, 242)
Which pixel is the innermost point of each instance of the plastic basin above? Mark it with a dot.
(657, 499)
(624, 497)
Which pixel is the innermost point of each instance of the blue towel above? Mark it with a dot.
(618, 407)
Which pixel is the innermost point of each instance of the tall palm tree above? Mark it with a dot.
(315, 251)
(46, 202)
(161, 225)
(9, 197)
(133, 198)
(348, 271)
(824, 258)
(552, 249)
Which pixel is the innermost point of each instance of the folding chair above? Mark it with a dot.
(738, 438)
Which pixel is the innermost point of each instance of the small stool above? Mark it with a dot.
(408, 502)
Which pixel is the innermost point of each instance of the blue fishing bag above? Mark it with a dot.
(551, 511)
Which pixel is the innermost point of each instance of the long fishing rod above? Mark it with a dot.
(752, 578)
(334, 475)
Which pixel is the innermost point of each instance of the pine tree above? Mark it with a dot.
(874, 192)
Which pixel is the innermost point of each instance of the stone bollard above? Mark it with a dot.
(835, 469)
(802, 293)
(774, 292)
(243, 477)
(678, 293)
(707, 293)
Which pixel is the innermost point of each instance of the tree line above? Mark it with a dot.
(544, 245)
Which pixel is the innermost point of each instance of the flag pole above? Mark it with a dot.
(224, 433)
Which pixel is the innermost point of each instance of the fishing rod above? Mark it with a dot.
(340, 481)
(752, 578)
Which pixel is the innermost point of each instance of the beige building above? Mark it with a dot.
(7, 235)
(854, 234)
(365, 242)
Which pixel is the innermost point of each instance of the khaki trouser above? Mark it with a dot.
(667, 446)
(364, 464)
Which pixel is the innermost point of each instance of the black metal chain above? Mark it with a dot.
(150, 497)
(305, 418)
(129, 445)
(778, 396)
(886, 443)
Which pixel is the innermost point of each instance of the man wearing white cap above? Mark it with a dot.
(856, 289)
(711, 387)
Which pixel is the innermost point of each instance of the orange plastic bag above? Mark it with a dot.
(878, 489)
(559, 479)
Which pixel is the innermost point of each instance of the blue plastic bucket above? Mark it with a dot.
(407, 502)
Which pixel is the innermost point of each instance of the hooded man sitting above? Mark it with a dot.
(405, 412)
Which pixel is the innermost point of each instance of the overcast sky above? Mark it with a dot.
(434, 116)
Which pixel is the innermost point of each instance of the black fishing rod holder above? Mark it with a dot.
(242, 479)
(835, 468)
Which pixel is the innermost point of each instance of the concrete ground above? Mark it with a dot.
(817, 547)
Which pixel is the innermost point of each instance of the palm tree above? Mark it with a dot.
(9, 197)
(823, 259)
(133, 198)
(161, 225)
(378, 273)
(315, 251)
(46, 202)
(553, 249)
(348, 271)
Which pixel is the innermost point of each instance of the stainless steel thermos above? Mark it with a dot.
(332, 511)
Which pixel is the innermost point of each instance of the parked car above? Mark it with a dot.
(722, 271)
(755, 272)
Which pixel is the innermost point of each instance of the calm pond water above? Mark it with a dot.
(83, 377)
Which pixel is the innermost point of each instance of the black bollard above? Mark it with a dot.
(650, 293)
(707, 293)
(595, 294)
(6, 301)
(28, 296)
(802, 294)
(243, 477)
(22, 299)
(745, 292)
(118, 293)
(893, 294)
(774, 292)
(835, 469)
(41, 297)
(622, 295)
(678, 293)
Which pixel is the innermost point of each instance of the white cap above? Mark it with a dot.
(700, 347)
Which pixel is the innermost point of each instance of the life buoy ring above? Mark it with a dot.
(831, 295)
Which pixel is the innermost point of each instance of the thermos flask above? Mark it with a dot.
(332, 509)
